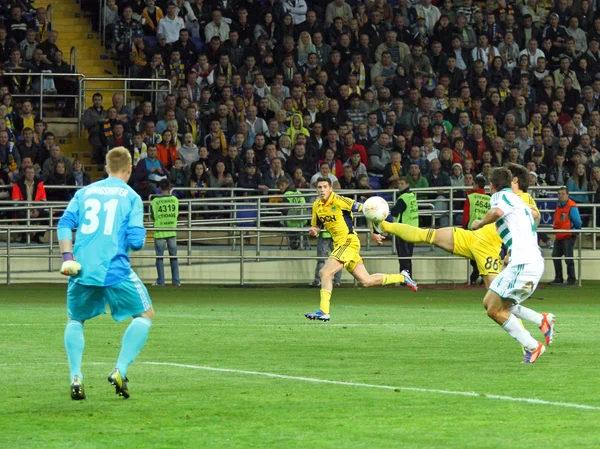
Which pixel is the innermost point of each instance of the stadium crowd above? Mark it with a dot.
(362, 92)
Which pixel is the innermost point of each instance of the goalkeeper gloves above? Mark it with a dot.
(70, 267)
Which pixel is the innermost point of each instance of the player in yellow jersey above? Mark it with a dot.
(483, 246)
(334, 213)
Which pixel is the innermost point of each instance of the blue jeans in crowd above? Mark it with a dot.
(324, 248)
(159, 247)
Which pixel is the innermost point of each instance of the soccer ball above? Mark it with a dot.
(376, 209)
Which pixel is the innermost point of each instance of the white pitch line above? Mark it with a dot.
(381, 387)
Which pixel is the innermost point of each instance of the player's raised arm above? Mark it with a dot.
(136, 232)
(66, 224)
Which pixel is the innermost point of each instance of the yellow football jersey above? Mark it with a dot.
(335, 216)
(528, 199)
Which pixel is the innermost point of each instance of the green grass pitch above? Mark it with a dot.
(439, 341)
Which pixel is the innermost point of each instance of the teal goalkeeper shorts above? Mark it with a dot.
(127, 298)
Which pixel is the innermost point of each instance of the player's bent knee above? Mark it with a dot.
(324, 273)
(148, 313)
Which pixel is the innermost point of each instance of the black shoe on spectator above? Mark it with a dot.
(571, 281)
(557, 282)
(37, 240)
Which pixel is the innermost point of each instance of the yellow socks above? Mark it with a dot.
(408, 233)
(325, 299)
(392, 279)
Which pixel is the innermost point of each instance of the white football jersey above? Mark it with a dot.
(516, 227)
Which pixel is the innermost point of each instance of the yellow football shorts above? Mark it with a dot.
(348, 252)
(482, 247)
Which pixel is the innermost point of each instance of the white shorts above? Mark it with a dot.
(518, 281)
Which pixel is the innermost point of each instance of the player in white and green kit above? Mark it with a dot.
(517, 282)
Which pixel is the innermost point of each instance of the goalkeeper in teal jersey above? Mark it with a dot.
(108, 216)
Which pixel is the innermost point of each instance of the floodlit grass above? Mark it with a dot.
(434, 339)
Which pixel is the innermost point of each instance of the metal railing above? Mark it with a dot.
(239, 217)
(243, 257)
(125, 89)
(73, 58)
(41, 95)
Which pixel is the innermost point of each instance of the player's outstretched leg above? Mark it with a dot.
(409, 233)
(134, 339)
(74, 344)
(372, 280)
(545, 321)
(499, 311)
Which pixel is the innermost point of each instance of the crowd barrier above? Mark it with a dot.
(240, 214)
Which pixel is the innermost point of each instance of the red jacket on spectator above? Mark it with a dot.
(359, 148)
(19, 192)
(166, 155)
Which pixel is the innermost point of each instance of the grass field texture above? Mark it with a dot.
(204, 378)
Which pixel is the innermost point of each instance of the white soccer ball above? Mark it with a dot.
(376, 209)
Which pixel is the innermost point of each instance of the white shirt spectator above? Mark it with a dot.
(170, 28)
(313, 180)
(484, 54)
(259, 126)
(297, 9)
(335, 10)
(212, 29)
(533, 57)
(431, 14)
(188, 14)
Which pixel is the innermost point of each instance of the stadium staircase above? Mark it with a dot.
(75, 30)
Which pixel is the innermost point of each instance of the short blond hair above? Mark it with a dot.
(118, 160)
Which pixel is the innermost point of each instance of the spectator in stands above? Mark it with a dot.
(119, 138)
(58, 179)
(27, 147)
(9, 155)
(179, 176)
(44, 152)
(124, 114)
(148, 173)
(80, 177)
(28, 46)
(123, 33)
(325, 172)
(31, 189)
(167, 150)
(415, 178)
(171, 24)
(275, 173)
(216, 28)
(93, 121)
(566, 218)
(7, 44)
(25, 118)
(65, 85)
(49, 166)
(20, 84)
(152, 15)
(17, 24)
(577, 185)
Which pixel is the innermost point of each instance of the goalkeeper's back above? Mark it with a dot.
(109, 219)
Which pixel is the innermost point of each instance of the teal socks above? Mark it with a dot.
(74, 344)
(134, 340)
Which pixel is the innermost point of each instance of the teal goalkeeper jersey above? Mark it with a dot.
(109, 218)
